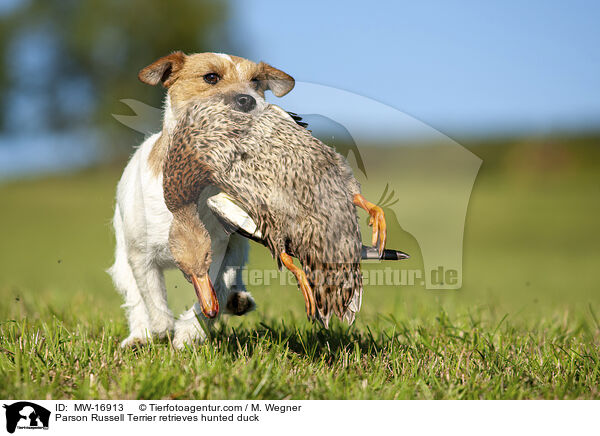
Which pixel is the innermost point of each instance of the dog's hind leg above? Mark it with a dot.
(238, 299)
(122, 275)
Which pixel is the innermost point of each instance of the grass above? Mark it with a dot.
(524, 325)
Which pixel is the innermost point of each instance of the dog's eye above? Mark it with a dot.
(255, 82)
(211, 78)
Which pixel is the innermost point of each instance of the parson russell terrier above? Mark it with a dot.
(142, 221)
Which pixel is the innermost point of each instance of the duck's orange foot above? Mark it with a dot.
(377, 221)
(307, 292)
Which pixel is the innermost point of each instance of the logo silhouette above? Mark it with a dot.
(26, 415)
(430, 187)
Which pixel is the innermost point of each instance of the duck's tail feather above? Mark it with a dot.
(337, 289)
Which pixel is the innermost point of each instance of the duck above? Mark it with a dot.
(301, 194)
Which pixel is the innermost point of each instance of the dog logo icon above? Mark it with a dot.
(26, 415)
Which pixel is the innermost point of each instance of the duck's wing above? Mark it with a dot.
(291, 115)
(298, 119)
(233, 217)
(184, 173)
(372, 253)
(236, 219)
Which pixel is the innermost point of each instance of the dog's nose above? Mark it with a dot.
(244, 102)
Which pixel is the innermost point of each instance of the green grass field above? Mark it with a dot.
(526, 323)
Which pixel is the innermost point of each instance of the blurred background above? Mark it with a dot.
(516, 83)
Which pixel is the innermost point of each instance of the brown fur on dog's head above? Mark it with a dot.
(186, 78)
(183, 75)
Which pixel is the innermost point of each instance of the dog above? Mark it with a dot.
(141, 219)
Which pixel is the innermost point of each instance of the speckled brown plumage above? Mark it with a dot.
(298, 190)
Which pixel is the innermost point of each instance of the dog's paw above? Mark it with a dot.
(134, 340)
(187, 332)
(162, 326)
(240, 303)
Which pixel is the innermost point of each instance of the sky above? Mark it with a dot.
(405, 69)
(461, 67)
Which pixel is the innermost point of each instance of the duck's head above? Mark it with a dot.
(189, 243)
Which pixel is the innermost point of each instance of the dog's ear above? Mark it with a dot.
(163, 70)
(276, 80)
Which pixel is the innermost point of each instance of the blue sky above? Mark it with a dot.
(462, 67)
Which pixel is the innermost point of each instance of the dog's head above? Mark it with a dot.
(241, 82)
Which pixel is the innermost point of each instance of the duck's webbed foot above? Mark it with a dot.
(307, 292)
(377, 220)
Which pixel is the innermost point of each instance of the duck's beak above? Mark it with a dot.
(206, 295)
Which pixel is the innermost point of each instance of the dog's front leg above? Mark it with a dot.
(151, 284)
(125, 282)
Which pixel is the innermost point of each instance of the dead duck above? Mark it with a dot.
(299, 191)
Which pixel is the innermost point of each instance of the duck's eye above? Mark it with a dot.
(212, 78)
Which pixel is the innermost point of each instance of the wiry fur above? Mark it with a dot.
(141, 224)
(142, 220)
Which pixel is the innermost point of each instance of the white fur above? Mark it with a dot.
(227, 57)
(141, 224)
(224, 56)
(169, 118)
